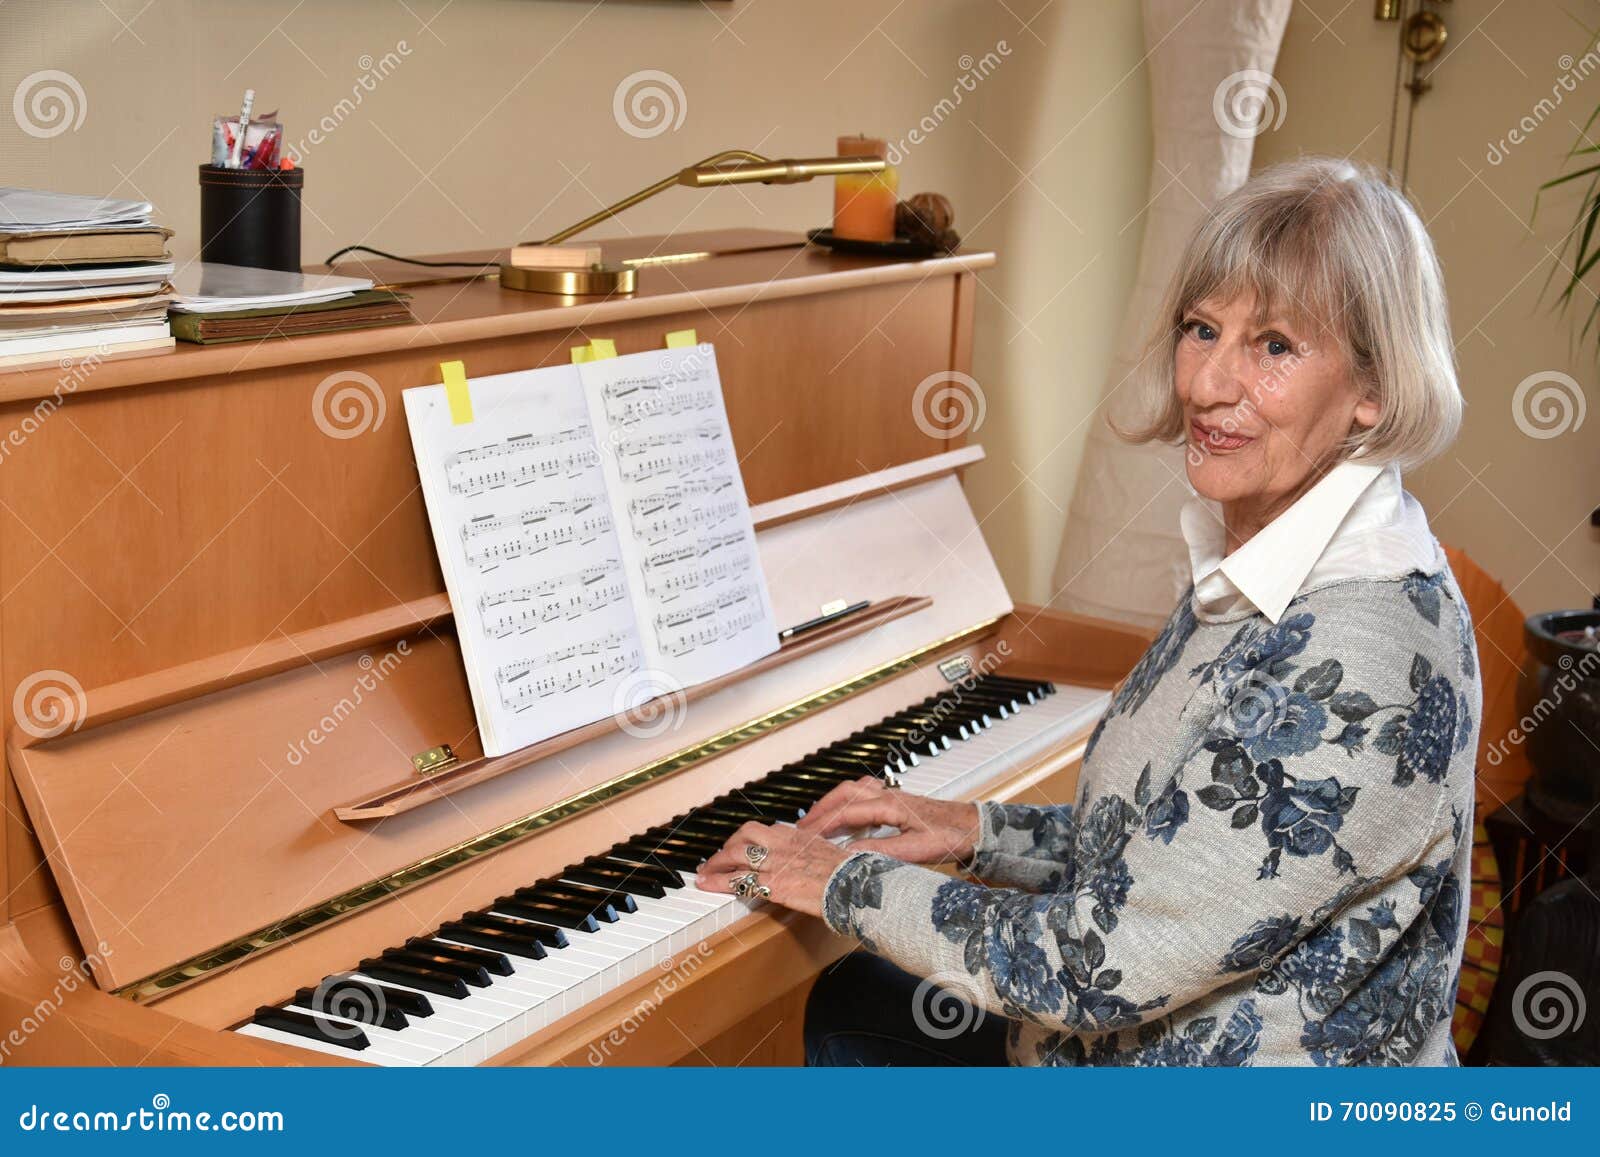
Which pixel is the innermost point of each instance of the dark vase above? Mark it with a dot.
(1559, 699)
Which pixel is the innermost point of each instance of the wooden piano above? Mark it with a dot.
(240, 744)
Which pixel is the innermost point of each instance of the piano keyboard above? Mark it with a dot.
(480, 984)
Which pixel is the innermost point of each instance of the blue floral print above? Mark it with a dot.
(1265, 863)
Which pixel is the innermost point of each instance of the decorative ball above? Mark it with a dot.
(924, 218)
(934, 209)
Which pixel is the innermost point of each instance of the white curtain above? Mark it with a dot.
(1210, 64)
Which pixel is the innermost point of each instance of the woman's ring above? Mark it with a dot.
(756, 854)
(745, 885)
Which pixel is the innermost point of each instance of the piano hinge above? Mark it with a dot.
(434, 760)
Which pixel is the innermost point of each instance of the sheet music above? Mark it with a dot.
(527, 541)
(683, 520)
(592, 527)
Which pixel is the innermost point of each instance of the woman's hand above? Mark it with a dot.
(796, 867)
(932, 831)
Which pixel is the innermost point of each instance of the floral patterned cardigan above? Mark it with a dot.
(1267, 861)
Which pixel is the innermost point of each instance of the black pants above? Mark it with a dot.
(865, 1011)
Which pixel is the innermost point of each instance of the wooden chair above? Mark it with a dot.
(1502, 769)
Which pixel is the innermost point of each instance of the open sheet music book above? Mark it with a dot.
(595, 538)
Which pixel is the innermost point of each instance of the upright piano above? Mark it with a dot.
(248, 820)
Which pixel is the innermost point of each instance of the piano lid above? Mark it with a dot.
(191, 820)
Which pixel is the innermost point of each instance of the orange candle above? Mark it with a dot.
(863, 203)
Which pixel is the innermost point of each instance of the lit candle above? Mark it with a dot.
(863, 203)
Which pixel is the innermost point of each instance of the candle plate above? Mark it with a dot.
(899, 247)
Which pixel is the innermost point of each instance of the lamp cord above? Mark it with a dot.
(410, 260)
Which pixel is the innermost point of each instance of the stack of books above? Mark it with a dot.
(214, 304)
(80, 277)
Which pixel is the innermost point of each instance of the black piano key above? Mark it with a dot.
(351, 999)
(822, 784)
(805, 797)
(922, 741)
(647, 852)
(546, 934)
(494, 963)
(855, 757)
(874, 746)
(696, 829)
(690, 834)
(840, 770)
(627, 877)
(495, 940)
(663, 876)
(428, 980)
(785, 808)
(547, 912)
(313, 1028)
(600, 910)
(568, 889)
(474, 974)
(762, 811)
(987, 693)
(1027, 688)
(733, 811)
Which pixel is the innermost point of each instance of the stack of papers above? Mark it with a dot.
(206, 287)
(230, 303)
(80, 277)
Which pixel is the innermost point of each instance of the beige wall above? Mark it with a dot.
(1518, 504)
(495, 123)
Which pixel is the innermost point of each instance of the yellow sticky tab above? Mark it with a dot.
(456, 392)
(581, 354)
(602, 347)
(679, 338)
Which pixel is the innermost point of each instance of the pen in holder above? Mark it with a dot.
(251, 216)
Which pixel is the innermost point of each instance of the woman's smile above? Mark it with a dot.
(1216, 439)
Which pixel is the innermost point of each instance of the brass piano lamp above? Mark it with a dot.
(731, 167)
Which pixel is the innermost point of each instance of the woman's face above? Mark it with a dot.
(1267, 405)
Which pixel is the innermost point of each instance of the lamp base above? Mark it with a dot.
(589, 281)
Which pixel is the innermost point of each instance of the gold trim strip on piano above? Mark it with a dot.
(276, 935)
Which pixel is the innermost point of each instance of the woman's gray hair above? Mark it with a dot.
(1332, 246)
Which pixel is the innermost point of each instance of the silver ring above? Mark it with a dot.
(746, 885)
(756, 854)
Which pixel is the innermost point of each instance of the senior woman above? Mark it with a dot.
(1266, 862)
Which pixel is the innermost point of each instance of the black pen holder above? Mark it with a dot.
(251, 217)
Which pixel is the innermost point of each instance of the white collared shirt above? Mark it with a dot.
(1356, 522)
